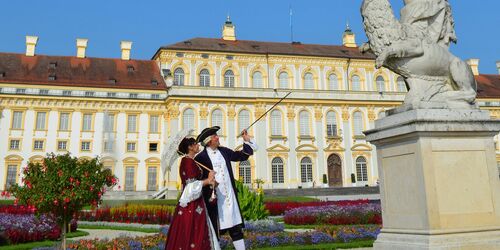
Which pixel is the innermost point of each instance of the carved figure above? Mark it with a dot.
(417, 48)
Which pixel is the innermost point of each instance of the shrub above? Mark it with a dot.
(251, 203)
(145, 214)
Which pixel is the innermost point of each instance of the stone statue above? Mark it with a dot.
(417, 48)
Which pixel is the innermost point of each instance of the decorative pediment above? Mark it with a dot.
(278, 148)
(13, 158)
(107, 159)
(306, 148)
(334, 146)
(130, 160)
(361, 147)
(152, 160)
(36, 159)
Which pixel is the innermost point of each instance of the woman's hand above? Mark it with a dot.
(210, 180)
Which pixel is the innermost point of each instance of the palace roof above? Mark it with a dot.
(488, 86)
(274, 48)
(88, 72)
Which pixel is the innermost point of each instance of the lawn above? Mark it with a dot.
(46, 243)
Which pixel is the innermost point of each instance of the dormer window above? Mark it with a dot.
(52, 65)
(112, 81)
(222, 45)
(256, 47)
(130, 69)
(52, 77)
(154, 82)
(2, 74)
(188, 43)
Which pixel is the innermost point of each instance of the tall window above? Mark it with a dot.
(204, 78)
(132, 124)
(277, 170)
(361, 170)
(358, 123)
(333, 82)
(85, 146)
(179, 77)
(216, 118)
(152, 173)
(129, 178)
(229, 79)
(245, 172)
(15, 144)
(17, 120)
(109, 122)
(38, 145)
(401, 84)
(87, 122)
(243, 120)
(64, 121)
(306, 170)
(331, 124)
(276, 123)
(356, 83)
(188, 119)
(40, 120)
(283, 80)
(11, 176)
(380, 84)
(304, 123)
(153, 124)
(308, 81)
(257, 80)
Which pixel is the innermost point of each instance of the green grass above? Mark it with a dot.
(290, 199)
(356, 244)
(46, 243)
(133, 229)
(6, 202)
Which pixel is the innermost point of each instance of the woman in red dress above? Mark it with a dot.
(191, 227)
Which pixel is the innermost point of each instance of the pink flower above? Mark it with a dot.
(55, 202)
(16, 201)
(66, 200)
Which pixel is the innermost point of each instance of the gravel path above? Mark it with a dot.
(108, 234)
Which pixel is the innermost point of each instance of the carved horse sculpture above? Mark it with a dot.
(417, 48)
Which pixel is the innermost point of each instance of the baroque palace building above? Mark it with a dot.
(124, 110)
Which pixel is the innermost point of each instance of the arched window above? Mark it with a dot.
(229, 79)
(216, 118)
(380, 84)
(276, 123)
(277, 170)
(306, 170)
(243, 120)
(356, 83)
(257, 80)
(401, 84)
(308, 81)
(304, 123)
(333, 82)
(361, 170)
(179, 77)
(357, 119)
(245, 172)
(331, 124)
(188, 119)
(204, 78)
(283, 79)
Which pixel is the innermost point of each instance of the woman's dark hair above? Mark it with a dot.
(185, 143)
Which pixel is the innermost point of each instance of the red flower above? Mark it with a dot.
(66, 200)
(55, 202)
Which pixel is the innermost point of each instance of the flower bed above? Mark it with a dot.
(279, 208)
(145, 214)
(20, 228)
(335, 215)
(351, 233)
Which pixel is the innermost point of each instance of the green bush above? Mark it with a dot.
(251, 203)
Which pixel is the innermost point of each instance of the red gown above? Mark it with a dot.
(189, 228)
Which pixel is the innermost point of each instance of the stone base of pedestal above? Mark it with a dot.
(488, 240)
(440, 186)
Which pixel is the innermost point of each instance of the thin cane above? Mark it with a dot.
(205, 167)
(284, 97)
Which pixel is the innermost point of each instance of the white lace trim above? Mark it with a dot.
(191, 192)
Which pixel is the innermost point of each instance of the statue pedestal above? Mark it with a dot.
(440, 186)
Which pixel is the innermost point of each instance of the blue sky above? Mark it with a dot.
(153, 23)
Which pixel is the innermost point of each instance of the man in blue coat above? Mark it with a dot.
(224, 211)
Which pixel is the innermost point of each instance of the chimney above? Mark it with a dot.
(498, 67)
(474, 65)
(31, 42)
(349, 38)
(126, 46)
(228, 30)
(81, 46)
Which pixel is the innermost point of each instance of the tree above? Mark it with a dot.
(63, 185)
